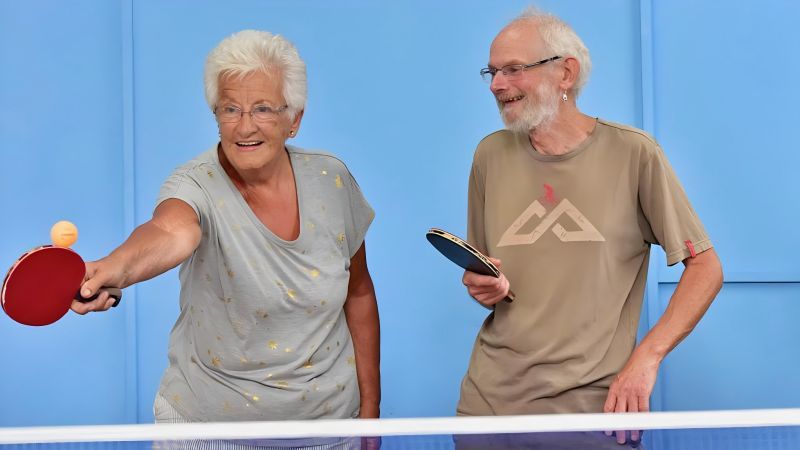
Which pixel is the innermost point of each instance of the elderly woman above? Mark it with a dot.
(278, 312)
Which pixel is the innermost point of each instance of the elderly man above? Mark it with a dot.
(570, 205)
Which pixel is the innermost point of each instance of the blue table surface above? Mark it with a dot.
(762, 438)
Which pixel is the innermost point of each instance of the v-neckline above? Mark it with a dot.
(261, 226)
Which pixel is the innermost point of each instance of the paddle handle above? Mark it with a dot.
(510, 297)
(115, 293)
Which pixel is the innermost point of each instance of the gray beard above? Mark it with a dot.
(538, 111)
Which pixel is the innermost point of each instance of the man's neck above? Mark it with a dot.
(564, 133)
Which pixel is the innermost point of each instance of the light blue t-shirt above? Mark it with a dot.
(262, 333)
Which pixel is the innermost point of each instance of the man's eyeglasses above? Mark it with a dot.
(259, 113)
(512, 70)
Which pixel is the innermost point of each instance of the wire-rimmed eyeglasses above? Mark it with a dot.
(512, 70)
(259, 113)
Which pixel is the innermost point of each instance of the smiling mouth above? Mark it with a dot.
(510, 100)
(248, 144)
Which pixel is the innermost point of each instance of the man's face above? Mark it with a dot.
(530, 99)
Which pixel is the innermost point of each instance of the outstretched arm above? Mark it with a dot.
(699, 284)
(153, 248)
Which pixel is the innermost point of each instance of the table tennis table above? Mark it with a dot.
(706, 430)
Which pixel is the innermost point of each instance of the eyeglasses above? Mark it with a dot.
(259, 113)
(512, 70)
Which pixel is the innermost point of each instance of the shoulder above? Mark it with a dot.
(627, 133)
(194, 181)
(638, 143)
(499, 141)
(500, 138)
(318, 159)
(203, 164)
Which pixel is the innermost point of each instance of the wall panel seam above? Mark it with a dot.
(648, 124)
(129, 211)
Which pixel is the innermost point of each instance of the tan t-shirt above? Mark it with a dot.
(573, 232)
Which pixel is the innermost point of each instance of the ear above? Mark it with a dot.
(296, 122)
(569, 75)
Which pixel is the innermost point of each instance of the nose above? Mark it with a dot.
(246, 124)
(499, 83)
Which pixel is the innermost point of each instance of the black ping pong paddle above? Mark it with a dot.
(463, 254)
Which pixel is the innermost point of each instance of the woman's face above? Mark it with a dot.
(252, 141)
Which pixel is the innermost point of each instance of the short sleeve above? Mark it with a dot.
(671, 222)
(358, 218)
(180, 185)
(476, 226)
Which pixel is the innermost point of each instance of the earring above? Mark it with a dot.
(564, 96)
(291, 133)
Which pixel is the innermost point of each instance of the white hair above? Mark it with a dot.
(250, 51)
(560, 39)
(538, 110)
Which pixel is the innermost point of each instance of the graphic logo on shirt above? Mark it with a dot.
(550, 221)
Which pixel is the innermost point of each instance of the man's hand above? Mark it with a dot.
(699, 284)
(485, 289)
(630, 391)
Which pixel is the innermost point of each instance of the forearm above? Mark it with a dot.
(148, 252)
(701, 280)
(699, 284)
(154, 247)
(361, 312)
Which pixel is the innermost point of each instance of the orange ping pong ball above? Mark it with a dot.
(64, 234)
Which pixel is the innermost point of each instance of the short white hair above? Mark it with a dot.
(251, 51)
(560, 39)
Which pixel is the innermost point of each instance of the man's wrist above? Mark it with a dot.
(649, 354)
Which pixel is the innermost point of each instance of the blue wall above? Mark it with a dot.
(100, 107)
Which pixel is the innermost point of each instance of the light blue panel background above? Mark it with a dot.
(116, 92)
(743, 353)
(724, 107)
(60, 141)
(724, 113)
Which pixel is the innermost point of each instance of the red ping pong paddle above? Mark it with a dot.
(463, 254)
(40, 286)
